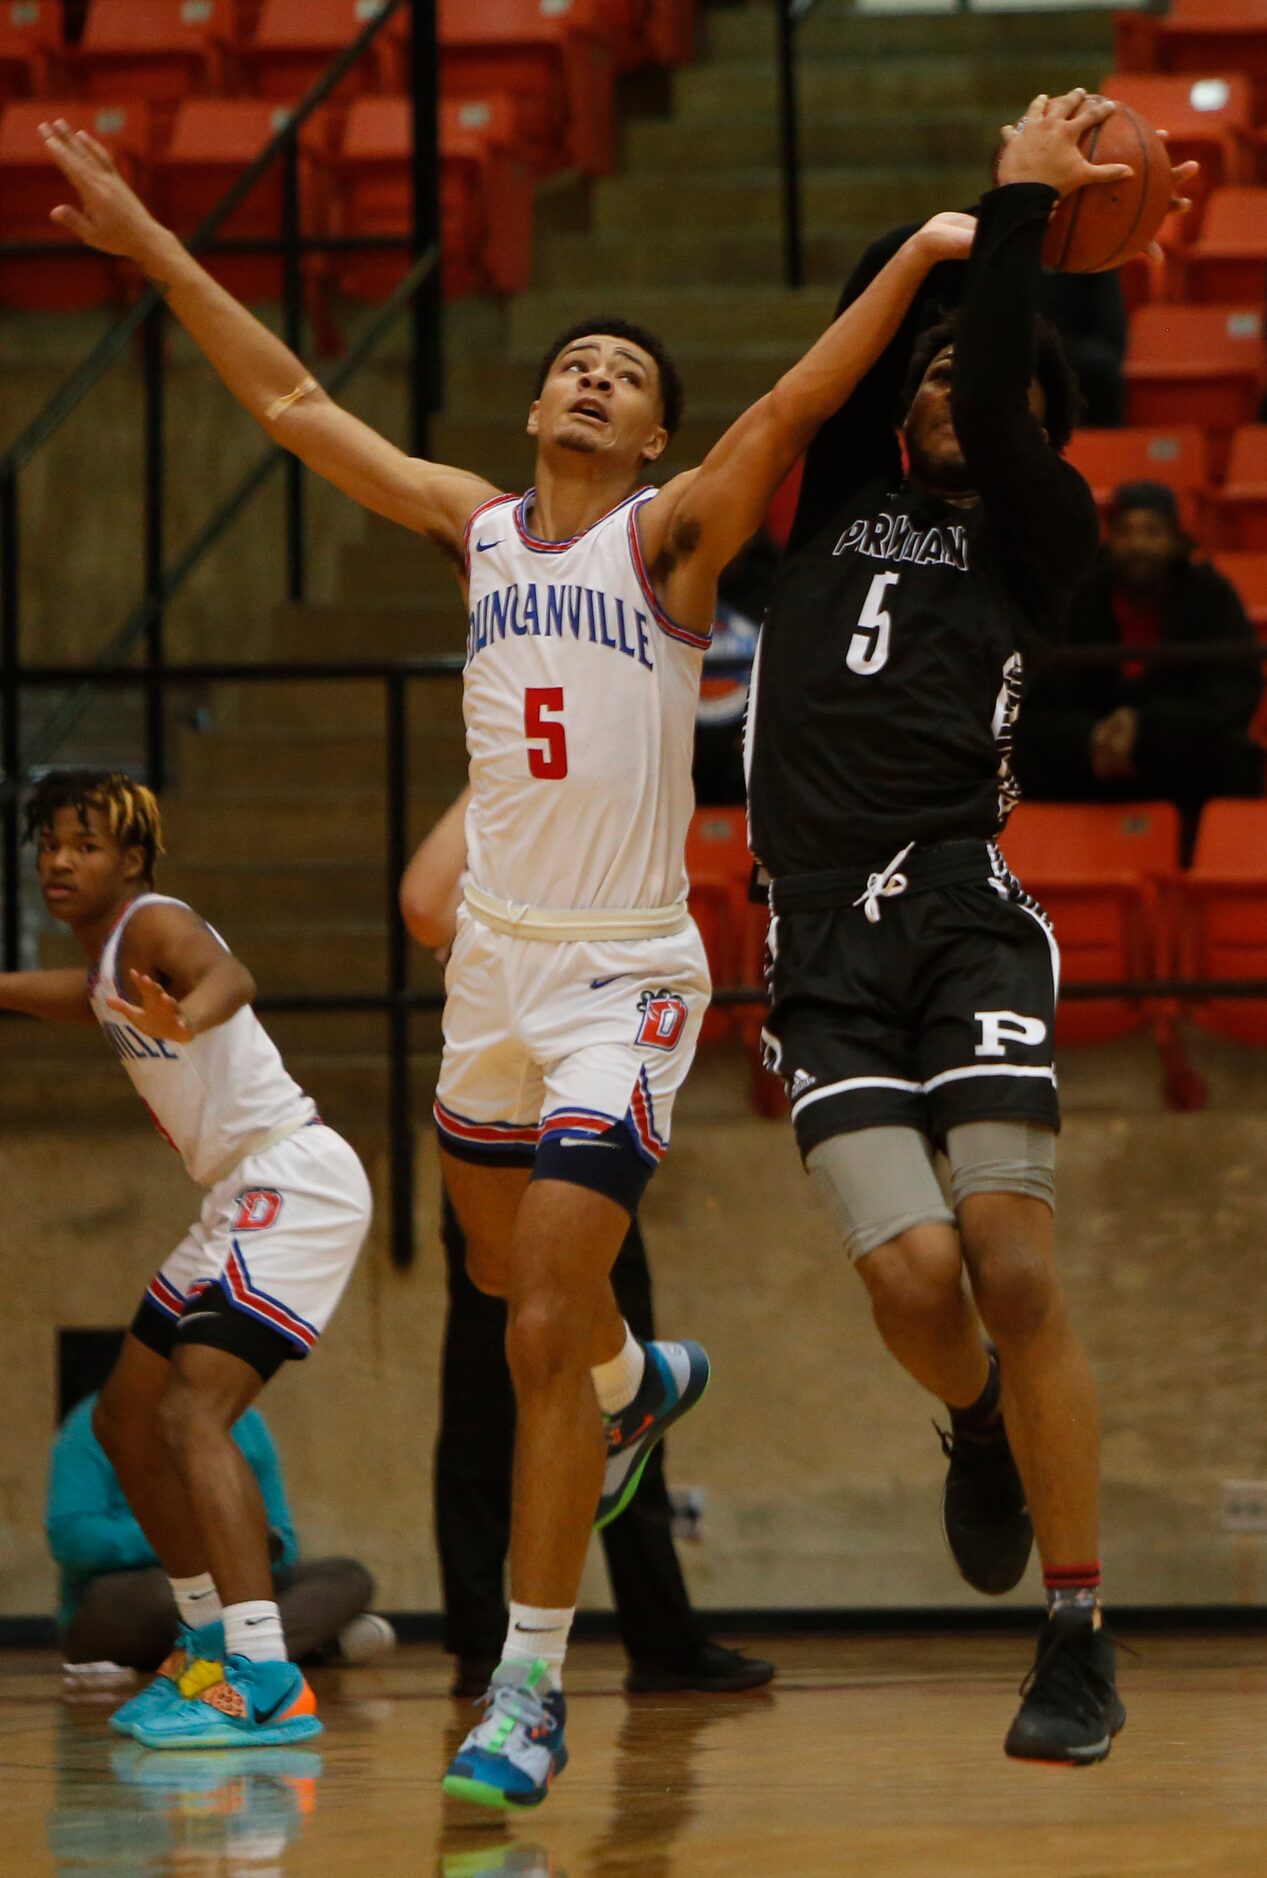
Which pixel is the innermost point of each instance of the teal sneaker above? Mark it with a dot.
(205, 1643)
(675, 1377)
(234, 1704)
(510, 1758)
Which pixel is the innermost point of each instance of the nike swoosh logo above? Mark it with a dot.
(583, 1141)
(539, 1630)
(191, 1317)
(251, 1622)
(597, 984)
(267, 1714)
(482, 547)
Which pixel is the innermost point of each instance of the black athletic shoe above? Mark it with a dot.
(983, 1511)
(712, 1668)
(1070, 1709)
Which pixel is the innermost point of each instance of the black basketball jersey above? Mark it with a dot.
(891, 659)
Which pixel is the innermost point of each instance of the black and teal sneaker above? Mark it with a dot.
(511, 1757)
(675, 1377)
(1070, 1708)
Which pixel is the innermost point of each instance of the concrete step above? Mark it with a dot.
(617, 261)
(924, 80)
(645, 203)
(732, 310)
(347, 631)
(230, 892)
(333, 709)
(967, 137)
(831, 31)
(295, 759)
(427, 576)
(331, 824)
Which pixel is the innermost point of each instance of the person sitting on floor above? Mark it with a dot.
(116, 1605)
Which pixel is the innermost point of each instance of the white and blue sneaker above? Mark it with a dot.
(203, 1644)
(510, 1758)
(675, 1377)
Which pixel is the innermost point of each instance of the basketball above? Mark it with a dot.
(1105, 224)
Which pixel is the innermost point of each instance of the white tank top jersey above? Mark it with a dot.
(223, 1096)
(579, 696)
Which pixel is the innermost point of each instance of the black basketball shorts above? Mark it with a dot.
(938, 1013)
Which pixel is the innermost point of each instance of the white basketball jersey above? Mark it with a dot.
(215, 1099)
(579, 697)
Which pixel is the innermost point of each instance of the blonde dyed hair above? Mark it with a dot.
(130, 810)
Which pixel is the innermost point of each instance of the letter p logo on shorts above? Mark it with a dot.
(999, 1028)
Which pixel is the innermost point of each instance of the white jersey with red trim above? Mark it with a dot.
(216, 1099)
(579, 697)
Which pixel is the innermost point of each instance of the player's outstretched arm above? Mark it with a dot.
(702, 518)
(261, 372)
(61, 996)
(182, 979)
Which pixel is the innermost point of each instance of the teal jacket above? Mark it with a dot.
(90, 1525)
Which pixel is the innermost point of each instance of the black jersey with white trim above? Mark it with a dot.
(891, 659)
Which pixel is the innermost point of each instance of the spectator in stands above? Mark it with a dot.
(116, 1602)
(1173, 731)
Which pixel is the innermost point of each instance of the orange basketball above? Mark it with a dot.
(1106, 224)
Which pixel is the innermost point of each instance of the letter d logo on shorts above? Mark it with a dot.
(257, 1208)
(663, 1019)
(999, 1028)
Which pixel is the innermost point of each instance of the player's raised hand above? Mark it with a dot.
(157, 1015)
(1044, 146)
(110, 215)
(947, 237)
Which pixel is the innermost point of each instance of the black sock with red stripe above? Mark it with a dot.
(1072, 1587)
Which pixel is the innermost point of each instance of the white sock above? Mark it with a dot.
(254, 1630)
(533, 1633)
(618, 1382)
(197, 1599)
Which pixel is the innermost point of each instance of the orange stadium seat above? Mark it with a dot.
(1243, 498)
(1209, 118)
(212, 142)
(1228, 259)
(719, 866)
(295, 40)
(1195, 365)
(161, 50)
(1248, 574)
(486, 195)
(31, 47)
(1223, 930)
(552, 58)
(1177, 457)
(1103, 873)
(30, 187)
(1216, 36)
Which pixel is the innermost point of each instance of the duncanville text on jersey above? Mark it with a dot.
(549, 609)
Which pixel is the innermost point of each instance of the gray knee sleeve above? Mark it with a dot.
(1002, 1157)
(877, 1183)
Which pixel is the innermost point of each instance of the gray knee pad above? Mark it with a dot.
(1002, 1157)
(876, 1184)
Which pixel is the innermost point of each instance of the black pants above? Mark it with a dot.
(472, 1482)
(130, 1617)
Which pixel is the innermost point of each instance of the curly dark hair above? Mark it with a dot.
(672, 395)
(130, 809)
(1051, 367)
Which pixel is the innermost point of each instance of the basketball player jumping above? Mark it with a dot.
(253, 1283)
(577, 981)
(913, 984)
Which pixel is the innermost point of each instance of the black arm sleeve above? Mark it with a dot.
(859, 444)
(1040, 512)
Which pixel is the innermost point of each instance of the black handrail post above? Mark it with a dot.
(400, 1126)
(427, 388)
(154, 544)
(10, 718)
(293, 332)
(790, 147)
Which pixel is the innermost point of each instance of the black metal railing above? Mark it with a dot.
(159, 582)
(788, 15)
